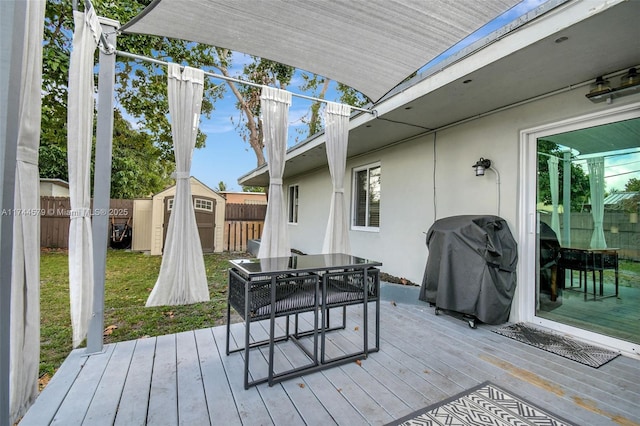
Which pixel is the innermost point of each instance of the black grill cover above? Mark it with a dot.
(471, 267)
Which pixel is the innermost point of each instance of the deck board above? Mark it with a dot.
(76, 403)
(214, 379)
(50, 399)
(134, 401)
(192, 402)
(513, 359)
(104, 405)
(249, 405)
(188, 379)
(163, 395)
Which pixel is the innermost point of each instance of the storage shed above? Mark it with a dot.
(151, 217)
(54, 188)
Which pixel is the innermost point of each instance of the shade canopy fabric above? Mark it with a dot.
(79, 138)
(25, 266)
(274, 104)
(182, 279)
(370, 45)
(336, 238)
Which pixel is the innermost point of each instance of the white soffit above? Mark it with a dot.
(370, 45)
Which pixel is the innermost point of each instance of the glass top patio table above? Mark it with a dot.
(302, 263)
(270, 288)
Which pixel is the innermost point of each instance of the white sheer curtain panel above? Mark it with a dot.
(182, 278)
(554, 184)
(274, 104)
(79, 135)
(25, 267)
(596, 185)
(336, 238)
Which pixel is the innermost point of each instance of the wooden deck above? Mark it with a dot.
(612, 316)
(187, 379)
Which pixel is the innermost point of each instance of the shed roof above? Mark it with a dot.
(193, 181)
(618, 197)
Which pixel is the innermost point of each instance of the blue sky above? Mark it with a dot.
(226, 156)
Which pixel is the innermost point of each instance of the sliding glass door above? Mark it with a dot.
(588, 235)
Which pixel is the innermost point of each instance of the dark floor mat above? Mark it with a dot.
(583, 353)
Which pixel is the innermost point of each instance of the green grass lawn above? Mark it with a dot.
(129, 280)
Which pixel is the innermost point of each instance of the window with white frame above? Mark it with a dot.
(293, 203)
(366, 197)
(198, 203)
(202, 204)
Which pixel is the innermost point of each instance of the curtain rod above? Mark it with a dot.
(235, 80)
(549, 155)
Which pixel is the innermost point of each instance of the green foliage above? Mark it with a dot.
(138, 169)
(317, 87)
(351, 96)
(632, 185)
(579, 180)
(260, 189)
(631, 205)
(142, 157)
(311, 82)
(141, 89)
(221, 186)
(263, 72)
(53, 162)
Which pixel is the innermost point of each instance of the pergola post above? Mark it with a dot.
(102, 182)
(13, 16)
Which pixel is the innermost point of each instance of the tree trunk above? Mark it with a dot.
(314, 121)
(255, 132)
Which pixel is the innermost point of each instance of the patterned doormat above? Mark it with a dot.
(483, 405)
(583, 353)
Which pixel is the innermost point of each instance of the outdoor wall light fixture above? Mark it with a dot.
(481, 165)
(602, 90)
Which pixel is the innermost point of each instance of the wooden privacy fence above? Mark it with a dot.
(621, 231)
(237, 233)
(54, 219)
(245, 212)
(243, 222)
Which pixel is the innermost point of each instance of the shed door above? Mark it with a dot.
(205, 209)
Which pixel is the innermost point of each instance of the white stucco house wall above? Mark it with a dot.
(492, 100)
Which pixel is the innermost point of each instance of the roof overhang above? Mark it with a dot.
(370, 45)
(513, 67)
